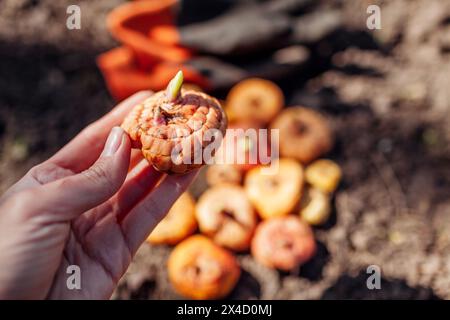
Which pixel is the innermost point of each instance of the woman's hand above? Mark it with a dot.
(85, 206)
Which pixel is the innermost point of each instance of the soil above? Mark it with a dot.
(385, 91)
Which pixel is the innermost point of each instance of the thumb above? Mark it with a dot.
(78, 193)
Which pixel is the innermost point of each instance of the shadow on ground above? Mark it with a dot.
(348, 287)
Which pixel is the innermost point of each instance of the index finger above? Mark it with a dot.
(83, 150)
(143, 218)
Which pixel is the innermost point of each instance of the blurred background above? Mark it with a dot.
(385, 91)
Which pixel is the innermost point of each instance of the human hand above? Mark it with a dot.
(89, 205)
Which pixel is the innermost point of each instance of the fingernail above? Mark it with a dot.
(113, 142)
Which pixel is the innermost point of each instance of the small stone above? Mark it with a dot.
(19, 150)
